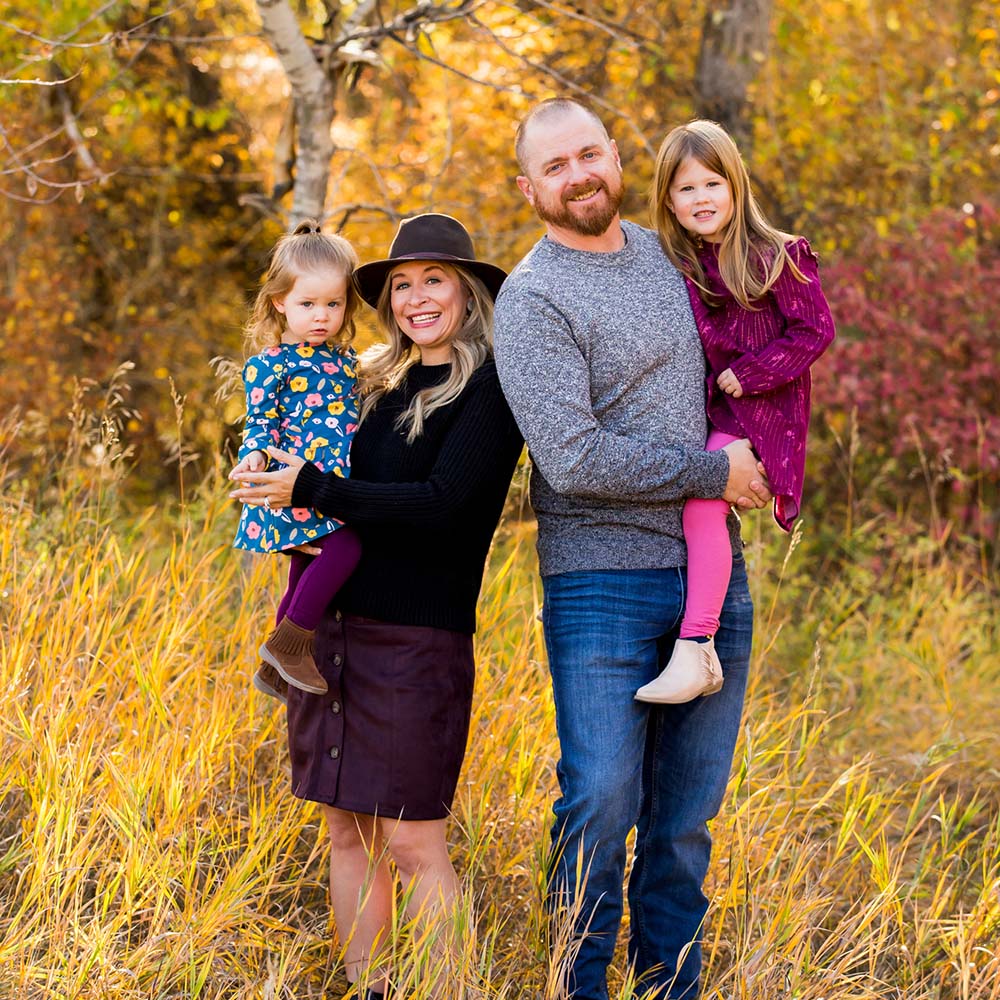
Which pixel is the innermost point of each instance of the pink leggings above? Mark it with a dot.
(710, 557)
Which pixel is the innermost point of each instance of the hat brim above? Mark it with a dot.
(369, 279)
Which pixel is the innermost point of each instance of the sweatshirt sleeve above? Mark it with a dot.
(808, 332)
(482, 445)
(545, 377)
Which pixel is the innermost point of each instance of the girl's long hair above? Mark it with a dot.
(752, 254)
(305, 250)
(383, 367)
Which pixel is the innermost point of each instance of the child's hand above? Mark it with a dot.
(256, 461)
(305, 549)
(730, 384)
(268, 489)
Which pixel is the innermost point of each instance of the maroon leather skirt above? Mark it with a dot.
(389, 736)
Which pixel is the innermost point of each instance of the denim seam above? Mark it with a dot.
(654, 802)
(640, 917)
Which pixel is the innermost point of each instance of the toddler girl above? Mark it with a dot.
(301, 398)
(763, 321)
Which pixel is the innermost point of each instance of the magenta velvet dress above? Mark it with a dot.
(770, 351)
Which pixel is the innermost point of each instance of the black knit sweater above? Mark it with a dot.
(425, 511)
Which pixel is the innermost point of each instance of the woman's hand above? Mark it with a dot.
(267, 489)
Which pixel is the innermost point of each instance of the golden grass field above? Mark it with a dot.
(149, 846)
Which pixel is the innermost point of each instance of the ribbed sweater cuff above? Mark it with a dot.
(308, 483)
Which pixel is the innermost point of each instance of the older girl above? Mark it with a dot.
(763, 320)
(431, 464)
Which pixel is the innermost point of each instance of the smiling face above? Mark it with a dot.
(701, 199)
(429, 303)
(313, 308)
(573, 177)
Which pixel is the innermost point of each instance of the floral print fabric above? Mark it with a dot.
(301, 399)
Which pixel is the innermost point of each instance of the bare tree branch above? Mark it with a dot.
(422, 14)
(25, 161)
(64, 42)
(411, 47)
(346, 211)
(616, 31)
(41, 83)
(72, 129)
(566, 82)
(53, 45)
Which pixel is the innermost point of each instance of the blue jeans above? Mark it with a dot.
(661, 769)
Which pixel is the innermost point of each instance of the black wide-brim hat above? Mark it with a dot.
(428, 237)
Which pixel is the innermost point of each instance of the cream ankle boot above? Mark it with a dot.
(694, 669)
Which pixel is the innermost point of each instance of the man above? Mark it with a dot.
(601, 363)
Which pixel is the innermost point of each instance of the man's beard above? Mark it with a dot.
(595, 221)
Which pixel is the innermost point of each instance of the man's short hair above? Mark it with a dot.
(549, 109)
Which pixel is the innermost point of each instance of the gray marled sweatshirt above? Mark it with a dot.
(599, 358)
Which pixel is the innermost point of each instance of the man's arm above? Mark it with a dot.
(546, 380)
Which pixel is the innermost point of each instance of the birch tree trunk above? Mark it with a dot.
(733, 46)
(313, 94)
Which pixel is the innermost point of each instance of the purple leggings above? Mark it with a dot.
(710, 556)
(313, 580)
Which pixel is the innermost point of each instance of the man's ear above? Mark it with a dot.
(527, 190)
(614, 149)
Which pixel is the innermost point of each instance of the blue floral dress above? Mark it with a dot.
(301, 399)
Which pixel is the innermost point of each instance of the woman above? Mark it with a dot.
(430, 466)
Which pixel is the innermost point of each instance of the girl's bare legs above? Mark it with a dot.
(360, 889)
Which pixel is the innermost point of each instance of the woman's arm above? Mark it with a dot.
(482, 444)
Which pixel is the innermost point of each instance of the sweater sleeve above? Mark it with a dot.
(262, 382)
(808, 332)
(481, 443)
(545, 377)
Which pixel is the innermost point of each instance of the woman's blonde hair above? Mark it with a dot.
(305, 250)
(383, 367)
(752, 253)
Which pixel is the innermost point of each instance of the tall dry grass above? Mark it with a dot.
(149, 846)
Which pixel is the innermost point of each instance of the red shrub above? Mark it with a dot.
(918, 347)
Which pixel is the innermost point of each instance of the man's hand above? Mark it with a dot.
(730, 384)
(747, 486)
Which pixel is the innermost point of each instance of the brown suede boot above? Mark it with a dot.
(268, 681)
(289, 650)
